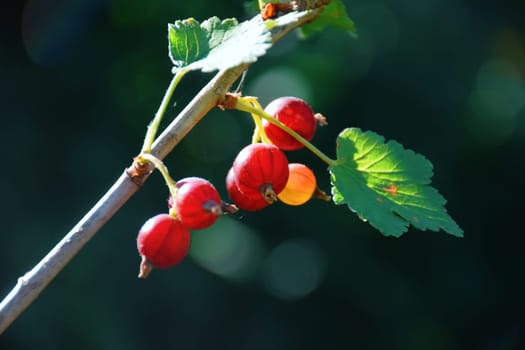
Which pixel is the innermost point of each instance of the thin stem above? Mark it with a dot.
(256, 137)
(163, 169)
(153, 126)
(247, 107)
(258, 133)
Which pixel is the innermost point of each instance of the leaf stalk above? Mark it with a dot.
(153, 126)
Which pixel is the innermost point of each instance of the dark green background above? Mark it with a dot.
(81, 79)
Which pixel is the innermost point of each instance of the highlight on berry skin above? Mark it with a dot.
(162, 242)
(198, 203)
(300, 187)
(258, 174)
(296, 114)
(249, 200)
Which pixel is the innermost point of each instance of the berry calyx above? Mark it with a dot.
(295, 114)
(300, 187)
(162, 242)
(197, 203)
(262, 168)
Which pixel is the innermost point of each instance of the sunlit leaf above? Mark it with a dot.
(387, 185)
(215, 44)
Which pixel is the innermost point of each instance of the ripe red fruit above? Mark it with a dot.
(197, 203)
(262, 168)
(162, 242)
(295, 114)
(250, 200)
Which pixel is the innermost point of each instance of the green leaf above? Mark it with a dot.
(387, 185)
(215, 44)
(333, 15)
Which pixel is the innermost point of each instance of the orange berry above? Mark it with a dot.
(300, 186)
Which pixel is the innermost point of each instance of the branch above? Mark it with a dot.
(30, 285)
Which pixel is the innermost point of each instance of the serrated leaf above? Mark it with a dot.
(387, 185)
(333, 15)
(215, 44)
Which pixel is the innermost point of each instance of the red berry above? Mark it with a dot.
(262, 168)
(250, 200)
(163, 241)
(295, 114)
(197, 203)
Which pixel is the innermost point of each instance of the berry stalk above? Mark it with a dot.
(243, 104)
(258, 132)
(161, 167)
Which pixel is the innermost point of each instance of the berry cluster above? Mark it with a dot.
(260, 175)
(164, 240)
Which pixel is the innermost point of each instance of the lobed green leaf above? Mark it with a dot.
(387, 185)
(215, 44)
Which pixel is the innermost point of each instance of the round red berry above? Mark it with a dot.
(197, 203)
(260, 165)
(249, 199)
(163, 241)
(295, 114)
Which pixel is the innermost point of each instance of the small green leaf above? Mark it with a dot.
(215, 44)
(333, 14)
(387, 185)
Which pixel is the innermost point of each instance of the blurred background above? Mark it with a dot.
(81, 79)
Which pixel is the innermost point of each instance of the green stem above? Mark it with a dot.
(154, 125)
(161, 167)
(258, 132)
(246, 107)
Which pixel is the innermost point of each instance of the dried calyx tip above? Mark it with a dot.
(319, 194)
(228, 208)
(213, 208)
(268, 193)
(320, 119)
(145, 268)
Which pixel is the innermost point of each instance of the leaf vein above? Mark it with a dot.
(197, 44)
(363, 154)
(186, 60)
